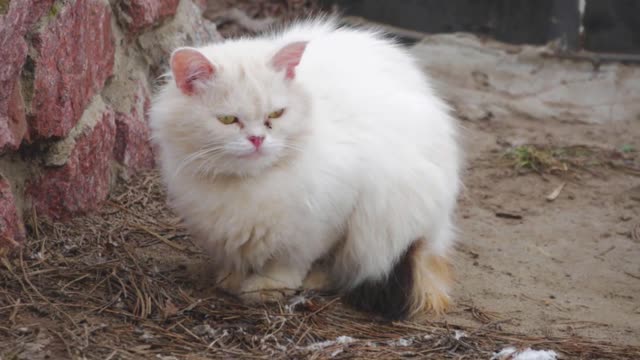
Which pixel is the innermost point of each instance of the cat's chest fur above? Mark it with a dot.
(252, 219)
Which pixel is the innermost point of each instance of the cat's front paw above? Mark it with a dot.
(317, 280)
(231, 281)
(262, 289)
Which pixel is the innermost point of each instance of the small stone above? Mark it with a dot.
(147, 336)
(203, 330)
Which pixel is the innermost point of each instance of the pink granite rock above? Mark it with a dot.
(13, 122)
(137, 15)
(83, 182)
(14, 24)
(75, 55)
(132, 147)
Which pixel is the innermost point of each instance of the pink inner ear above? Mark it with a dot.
(289, 57)
(190, 67)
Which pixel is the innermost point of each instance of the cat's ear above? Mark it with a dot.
(288, 58)
(190, 69)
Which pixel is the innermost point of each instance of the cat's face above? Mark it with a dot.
(240, 116)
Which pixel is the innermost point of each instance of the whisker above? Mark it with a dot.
(203, 153)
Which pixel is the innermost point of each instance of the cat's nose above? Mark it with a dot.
(256, 140)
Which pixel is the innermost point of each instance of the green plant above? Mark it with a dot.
(532, 158)
(627, 148)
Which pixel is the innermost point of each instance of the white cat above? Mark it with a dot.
(314, 145)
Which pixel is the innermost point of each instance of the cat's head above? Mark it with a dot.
(240, 110)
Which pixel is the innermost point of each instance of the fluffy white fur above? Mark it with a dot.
(363, 162)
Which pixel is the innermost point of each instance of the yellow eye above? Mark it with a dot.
(228, 119)
(276, 114)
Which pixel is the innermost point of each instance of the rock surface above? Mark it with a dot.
(14, 24)
(75, 87)
(137, 15)
(188, 29)
(74, 59)
(132, 147)
(12, 232)
(83, 181)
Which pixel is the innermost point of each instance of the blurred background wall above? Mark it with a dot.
(595, 25)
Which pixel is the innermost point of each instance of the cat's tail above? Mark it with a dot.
(419, 282)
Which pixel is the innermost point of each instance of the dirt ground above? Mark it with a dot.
(562, 267)
(570, 266)
(560, 274)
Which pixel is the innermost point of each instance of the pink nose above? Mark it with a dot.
(256, 140)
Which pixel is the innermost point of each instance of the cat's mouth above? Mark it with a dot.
(255, 154)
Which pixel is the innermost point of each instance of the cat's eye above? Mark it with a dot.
(276, 114)
(228, 119)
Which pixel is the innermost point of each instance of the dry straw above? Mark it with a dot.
(121, 285)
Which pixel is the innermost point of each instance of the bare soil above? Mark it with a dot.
(564, 267)
(534, 124)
